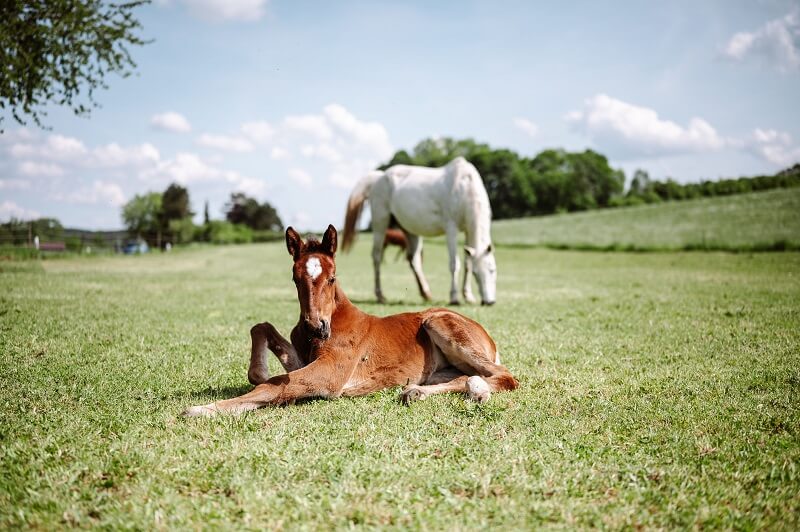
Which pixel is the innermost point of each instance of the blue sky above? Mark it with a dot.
(293, 101)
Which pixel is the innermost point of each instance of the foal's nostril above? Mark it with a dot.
(325, 327)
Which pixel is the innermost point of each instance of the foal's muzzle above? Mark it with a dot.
(321, 330)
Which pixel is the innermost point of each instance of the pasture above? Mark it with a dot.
(657, 390)
(755, 221)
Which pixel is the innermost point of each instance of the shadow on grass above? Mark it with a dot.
(229, 392)
(401, 303)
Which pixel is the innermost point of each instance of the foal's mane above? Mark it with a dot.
(312, 245)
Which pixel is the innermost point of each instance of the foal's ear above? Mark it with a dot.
(329, 241)
(294, 243)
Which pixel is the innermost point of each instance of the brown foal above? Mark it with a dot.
(337, 350)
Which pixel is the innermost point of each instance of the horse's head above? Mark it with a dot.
(314, 274)
(484, 268)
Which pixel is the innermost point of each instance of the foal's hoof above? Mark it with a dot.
(200, 411)
(478, 389)
(411, 395)
(257, 377)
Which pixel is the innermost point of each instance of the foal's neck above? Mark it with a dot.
(343, 304)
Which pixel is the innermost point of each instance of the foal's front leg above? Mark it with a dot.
(321, 378)
(264, 335)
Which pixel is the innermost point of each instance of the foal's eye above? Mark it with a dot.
(332, 280)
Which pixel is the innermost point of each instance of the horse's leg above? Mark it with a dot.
(264, 336)
(379, 226)
(469, 349)
(467, 287)
(414, 256)
(452, 242)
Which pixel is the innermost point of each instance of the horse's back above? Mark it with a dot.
(419, 197)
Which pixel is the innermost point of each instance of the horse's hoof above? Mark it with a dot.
(478, 389)
(411, 395)
(455, 302)
(470, 299)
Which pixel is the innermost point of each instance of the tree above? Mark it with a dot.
(176, 218)
(55, 51)
(242, 209)
(175, 203)
(507, 182)
(142, 216)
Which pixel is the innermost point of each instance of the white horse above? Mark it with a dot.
(429, 202)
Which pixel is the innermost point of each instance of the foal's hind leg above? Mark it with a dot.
(467, 346)
(264, 336)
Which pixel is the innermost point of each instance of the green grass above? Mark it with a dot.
(759, 221)
(657, 390)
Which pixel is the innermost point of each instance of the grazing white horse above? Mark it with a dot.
(430, 202)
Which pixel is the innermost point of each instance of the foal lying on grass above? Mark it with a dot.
(337, 350)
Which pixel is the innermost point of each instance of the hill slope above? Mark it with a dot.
(756, 221)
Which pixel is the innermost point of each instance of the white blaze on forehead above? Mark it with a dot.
(313, 267)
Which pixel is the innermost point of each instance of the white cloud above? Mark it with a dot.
(22, 151)
(300, 219)
(101, 192)
(9, 209)
(187, 168)
(227, 10)
(114, 155)
(631, 130)
(323, 151)
(225, 143)
(337, 143)
(171, 121)
(777, 43)
(71, 151)
(774, 146)
(314, 125)
(54, 147)
(526, 126)
(278, 153)
(63, 148)
(371, 135)
(34, 169)
(301, 177)
(258, 132)
(14, 184)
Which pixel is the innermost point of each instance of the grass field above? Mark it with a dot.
(744, 222)
(657, 390)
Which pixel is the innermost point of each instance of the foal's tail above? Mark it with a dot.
(355, 204)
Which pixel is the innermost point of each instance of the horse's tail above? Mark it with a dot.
(355, 204)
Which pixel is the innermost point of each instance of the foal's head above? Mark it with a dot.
(314, 274)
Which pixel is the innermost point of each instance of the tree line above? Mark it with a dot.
(556, 180)
(165, 217)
